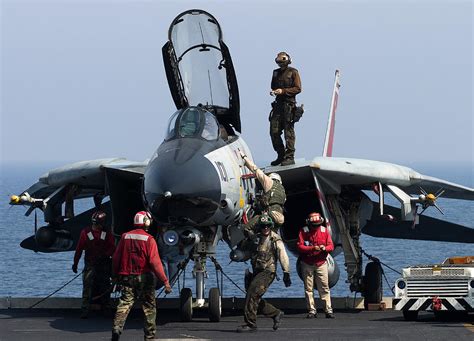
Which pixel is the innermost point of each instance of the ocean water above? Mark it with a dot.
(26, 273)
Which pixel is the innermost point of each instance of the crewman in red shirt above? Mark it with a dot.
(314, 244)
(99, 246)
(137, 261)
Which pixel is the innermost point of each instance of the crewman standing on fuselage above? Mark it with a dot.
(286, 84)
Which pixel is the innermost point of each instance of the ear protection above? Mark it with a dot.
(314, 219)
(147, 220)
(98, 217)
(142, 219)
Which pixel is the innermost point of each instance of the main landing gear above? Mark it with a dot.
(372, 284)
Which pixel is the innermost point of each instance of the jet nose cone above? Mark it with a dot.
(181, 185)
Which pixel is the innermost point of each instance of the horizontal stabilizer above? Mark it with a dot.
(428, 228)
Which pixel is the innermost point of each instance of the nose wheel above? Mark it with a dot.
(215, 305)
(186, 304)
(214, 301)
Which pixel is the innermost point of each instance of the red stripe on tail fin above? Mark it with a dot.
(329, 140)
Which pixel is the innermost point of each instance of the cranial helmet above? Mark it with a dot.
(314, 219)
(275, 176)
(283, 59)
(265, 221)
(142, 219)
(98, 217)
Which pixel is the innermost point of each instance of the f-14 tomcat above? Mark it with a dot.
(198, 191)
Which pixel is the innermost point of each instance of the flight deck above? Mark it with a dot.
(350, 324)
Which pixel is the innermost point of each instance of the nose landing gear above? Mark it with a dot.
(214, 300)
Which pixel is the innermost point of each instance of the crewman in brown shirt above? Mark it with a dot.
(286, 84)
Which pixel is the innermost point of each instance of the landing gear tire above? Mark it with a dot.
(215, 305)
(186, 304)
(372, 284)
(410, 315)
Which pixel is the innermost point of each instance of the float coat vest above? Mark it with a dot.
(265, 257)
(275, 198)
(289, 80)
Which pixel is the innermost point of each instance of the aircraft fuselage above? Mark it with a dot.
(194, 180)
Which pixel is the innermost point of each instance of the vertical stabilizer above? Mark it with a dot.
(329, 140)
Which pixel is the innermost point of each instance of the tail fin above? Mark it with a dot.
(328, 143)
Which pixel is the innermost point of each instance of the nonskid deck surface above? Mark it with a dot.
(57, 324)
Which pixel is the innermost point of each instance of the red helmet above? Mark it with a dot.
(314, 218)
(142, 219)
(99, 217)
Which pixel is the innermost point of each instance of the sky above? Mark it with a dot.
(83, 79)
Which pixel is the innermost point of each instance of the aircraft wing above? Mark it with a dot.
(336, 172)
(117, 178)
(87, 175)
(330, 176)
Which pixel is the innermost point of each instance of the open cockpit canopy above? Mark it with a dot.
(199, 67)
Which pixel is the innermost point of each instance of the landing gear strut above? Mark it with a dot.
(214, 300)
(348, 216)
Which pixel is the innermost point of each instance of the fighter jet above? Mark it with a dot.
(199, 192)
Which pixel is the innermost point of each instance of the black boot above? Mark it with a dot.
(288, 162)
(278, 160)
(277, 320)
(115, 336)
(246, 329)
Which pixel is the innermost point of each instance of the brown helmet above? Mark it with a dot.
(99, 217)
(283, 59)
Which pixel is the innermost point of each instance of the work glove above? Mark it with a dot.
(167, 288)
(286, 279)
(248, 233)
(74, 268)
(242, 154)
(117, 288)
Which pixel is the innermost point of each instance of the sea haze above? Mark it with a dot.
(25, 273)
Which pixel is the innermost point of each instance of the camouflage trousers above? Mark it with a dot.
(281, 121)
(95, 281)
(135, 287)
(254, 304)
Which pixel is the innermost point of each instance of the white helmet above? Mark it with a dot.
(275, 176)
(142, 219)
